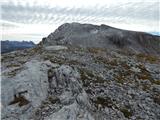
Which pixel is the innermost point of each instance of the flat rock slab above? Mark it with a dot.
(54, 48)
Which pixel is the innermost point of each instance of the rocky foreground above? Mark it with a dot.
(84, 72)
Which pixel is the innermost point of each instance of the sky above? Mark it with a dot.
(35, 19)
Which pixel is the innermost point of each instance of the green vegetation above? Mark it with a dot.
(13, 72)
(100, 59)
(120, 79)
(96, 50)
(88, 77)
(139, 118)
(123, 75)
(53, 100)
(156, 99)
(148, 58)
(48, 101)
(103, 60)
(54, 59)
(144, 74)
(113, 62)
(104, 101)
(86, 74)
(157, 82)
(75, 62)
(13, 65)
(89, 91)
(146, 87)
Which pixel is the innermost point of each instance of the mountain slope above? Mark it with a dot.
(87, 35)
(76, 81)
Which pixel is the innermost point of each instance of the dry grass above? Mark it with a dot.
(13, 65)
(53, 100)
(156, 99)
(157, 82)
(96, 50)
(127, 113)
(88, 77)
(144, 74)
(21, 100)
(12, 73)
(104, 101)
(147, 58)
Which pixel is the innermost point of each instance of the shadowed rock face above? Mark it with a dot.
(103, 36)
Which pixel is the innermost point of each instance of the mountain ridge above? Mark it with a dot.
(9, 46)
(103, 36)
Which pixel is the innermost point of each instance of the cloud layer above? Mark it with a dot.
(36, 19)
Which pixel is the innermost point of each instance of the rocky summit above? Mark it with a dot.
(83, 72)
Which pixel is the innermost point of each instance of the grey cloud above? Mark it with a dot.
(7, 25)
(30, 14)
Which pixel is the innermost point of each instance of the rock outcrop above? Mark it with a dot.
(64, 78)
(45, 88)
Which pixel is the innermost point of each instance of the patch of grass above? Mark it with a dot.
(88, 77)
(100, 59)
(125, 52)
(148, 58)
(75, 62)
(53, 100)
(6, 58)
(144, 74)
(113, 62)
(21, 100)
(156, 99)
(139, 118)
(157, 82)
(120, 79)
(13, 72)
(99, 80)
(126, 112)
(57, 60)
(125, 66)
(104, 101)
(36, 49)
(103, 60)
(123, 76)
(146, 87)
(89, 91)
(22, 62)
(12, 65)
(96, 50)
(86, 74)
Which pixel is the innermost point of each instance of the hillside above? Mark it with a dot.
(84, 72)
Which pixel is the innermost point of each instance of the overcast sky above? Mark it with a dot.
(34, 19)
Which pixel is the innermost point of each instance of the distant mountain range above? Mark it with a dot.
(155, 33)
(9, 46)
